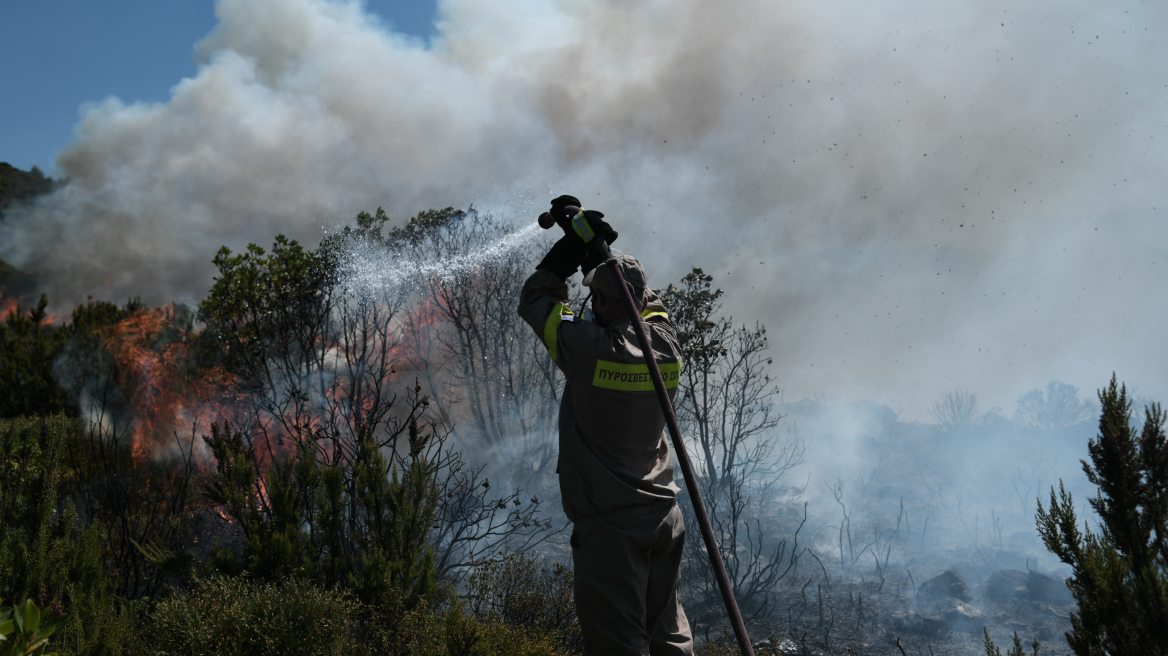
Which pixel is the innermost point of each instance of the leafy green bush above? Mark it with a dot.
(228, 616)
(31, 384)
(24, 631)
(238, 616)
(28, 347)
(44, 554)
(1120, 575)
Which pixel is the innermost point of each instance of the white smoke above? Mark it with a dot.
(912, 197)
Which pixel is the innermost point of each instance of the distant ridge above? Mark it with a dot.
(19, 186)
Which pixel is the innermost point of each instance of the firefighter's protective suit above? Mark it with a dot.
(616, 472)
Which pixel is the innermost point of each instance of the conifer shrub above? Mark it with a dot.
(1120, 573)
(1017, 650)
(362, 525)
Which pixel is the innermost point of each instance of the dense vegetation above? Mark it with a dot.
(47, 556)
(325, 511)
(19, 186)
(283, 469)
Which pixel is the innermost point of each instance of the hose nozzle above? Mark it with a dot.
(546, 220)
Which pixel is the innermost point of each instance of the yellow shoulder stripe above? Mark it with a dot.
(558, 313)
(633, 377)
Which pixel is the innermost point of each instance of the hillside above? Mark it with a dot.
(17, 185)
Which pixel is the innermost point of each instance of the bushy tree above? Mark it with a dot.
(725, 406)
(34, 379)
(319, 341)
(1120, 574)
(955, 410)
(28, 346)
(1055, 407)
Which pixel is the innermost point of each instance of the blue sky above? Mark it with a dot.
(56, 55)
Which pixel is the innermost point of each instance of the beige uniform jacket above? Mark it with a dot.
(613, 449)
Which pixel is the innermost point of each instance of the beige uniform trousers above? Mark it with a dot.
(627, 571)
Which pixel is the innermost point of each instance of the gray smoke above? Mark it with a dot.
(912, 197)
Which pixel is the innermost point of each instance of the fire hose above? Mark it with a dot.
(683, 461)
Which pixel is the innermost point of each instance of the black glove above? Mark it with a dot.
(559, 211)
(563, 216)
(565, 256)
(596, 224)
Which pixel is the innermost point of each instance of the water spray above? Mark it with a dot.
(601, 245)
(369, 268)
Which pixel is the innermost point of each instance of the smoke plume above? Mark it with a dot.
(912, 197)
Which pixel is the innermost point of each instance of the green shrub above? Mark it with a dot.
(28, 346)
(1120, 575)
(44, 555)
(25, 631)
(1017, 650)
(227, 616)
(529, 595)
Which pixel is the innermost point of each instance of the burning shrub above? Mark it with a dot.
(361, 523)
(318, 341)
(138, 371)
(33, 379)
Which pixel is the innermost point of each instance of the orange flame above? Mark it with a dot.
(10, 306)
(7, 306)
(167, 394)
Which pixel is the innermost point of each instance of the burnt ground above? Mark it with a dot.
(865, 618)
(929, 538)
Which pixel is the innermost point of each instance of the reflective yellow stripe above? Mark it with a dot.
(580, 225)
(649, 313)
(553, 322)
(633, 377)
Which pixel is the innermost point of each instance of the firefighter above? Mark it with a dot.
(615, 465)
